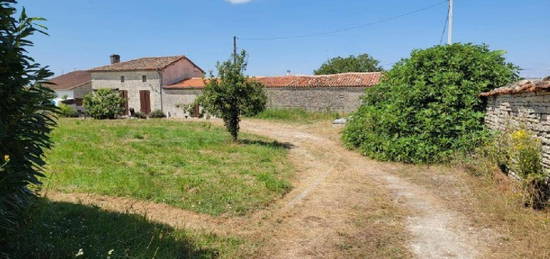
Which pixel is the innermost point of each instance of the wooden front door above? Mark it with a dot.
(145, 101)
(196, 111)
(124, 96)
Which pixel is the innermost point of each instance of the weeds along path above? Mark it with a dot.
(342, 205)
(319, 209)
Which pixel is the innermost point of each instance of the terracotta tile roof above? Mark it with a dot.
(195, 82)
(69, 81)
(522, 86)
(303, 81)
(150, 63)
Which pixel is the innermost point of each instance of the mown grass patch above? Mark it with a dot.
(297, 115)
(193, 166)
(65, 230)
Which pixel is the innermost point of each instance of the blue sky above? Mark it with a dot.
(83, 33)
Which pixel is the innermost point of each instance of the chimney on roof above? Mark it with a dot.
(115, 59)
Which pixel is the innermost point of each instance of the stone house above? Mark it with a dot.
(140, 81)
(525, 103)
(339, 92)
(71, 87)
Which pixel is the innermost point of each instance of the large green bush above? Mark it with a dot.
(428, 106)
(26, 117)
(103, 104)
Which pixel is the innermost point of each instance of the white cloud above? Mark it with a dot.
(239, 1)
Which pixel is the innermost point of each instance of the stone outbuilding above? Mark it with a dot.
(339, 92)
(525, 103)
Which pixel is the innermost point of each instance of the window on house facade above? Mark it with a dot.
(122, 79)
(144, 78)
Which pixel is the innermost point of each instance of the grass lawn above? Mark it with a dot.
(297, 115)
(65, 230)
(193, 166)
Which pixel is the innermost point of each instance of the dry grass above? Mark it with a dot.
(379, 230)
(493, 203)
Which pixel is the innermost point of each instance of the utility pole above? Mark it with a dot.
(235, 49)
(450, 31)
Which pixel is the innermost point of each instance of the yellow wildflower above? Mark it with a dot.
(6, 158)
(520, 134)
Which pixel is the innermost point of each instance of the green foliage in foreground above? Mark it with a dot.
(361, 63)
(26, 116)
(65, 230)
(103, 104)
(189, 165)
(428, 107)
(232, 94)
(296, 115)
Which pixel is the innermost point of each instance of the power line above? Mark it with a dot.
(383, 20)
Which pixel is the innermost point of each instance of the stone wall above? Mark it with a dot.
(530, 110)
(176, 99)
(341, 99)
(83, 90)
(338, 99)
(133, 84)
(178, 71)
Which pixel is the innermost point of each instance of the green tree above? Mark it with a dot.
(232, 94)
(103, 104)
(361, 63)
(428, 106)
(26, 115)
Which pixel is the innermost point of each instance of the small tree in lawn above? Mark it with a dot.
(232, 94)
(26, 116)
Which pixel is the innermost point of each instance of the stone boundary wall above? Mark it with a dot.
(531, 110)
(319, 99)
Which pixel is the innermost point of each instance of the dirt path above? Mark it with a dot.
(335, 189)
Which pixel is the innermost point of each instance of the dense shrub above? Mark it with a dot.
(428, 106)
(67, 111)
(140, 115)
(26, 118)
(157, 114)
(103, 104)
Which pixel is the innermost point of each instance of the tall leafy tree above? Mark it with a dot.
(26, 115)
(233, 94)
(361, 63)
(428, 106)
